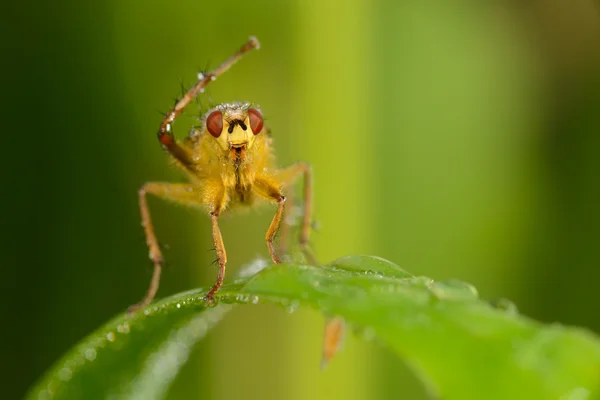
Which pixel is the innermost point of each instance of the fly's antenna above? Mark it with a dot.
(165, 133)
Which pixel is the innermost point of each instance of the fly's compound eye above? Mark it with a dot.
(256, 120)
(214, 123)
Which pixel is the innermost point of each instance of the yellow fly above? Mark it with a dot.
(229, 163)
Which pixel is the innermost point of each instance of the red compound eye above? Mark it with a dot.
(214, 123)
(256, 120)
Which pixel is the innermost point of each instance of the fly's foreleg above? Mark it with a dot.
(221, 257)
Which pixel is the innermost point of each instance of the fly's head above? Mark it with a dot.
(234, 126)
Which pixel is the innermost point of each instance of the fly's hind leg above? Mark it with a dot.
(334, 327)
(274, 227)
(179, 193)
(269, 189)
(287, 222)
(287, 177)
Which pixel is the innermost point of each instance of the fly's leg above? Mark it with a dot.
(180, 193)
(287, 177)
(334, 327)
(333, 337)
(165, 132)
(221, 257)
(286, 224)
(269, 188)
(274, 227)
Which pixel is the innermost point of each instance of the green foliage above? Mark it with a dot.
(461, 346)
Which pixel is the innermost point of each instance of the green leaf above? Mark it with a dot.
(461, 346)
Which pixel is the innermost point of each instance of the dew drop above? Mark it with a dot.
(505, 305)
(242, 298)
(178, 305)
(65, 374)
(110, 336)
(45, 395)
(123, 328)
(90, 354)
(255, 299)
(227, 300)
(212, 304)
(292, 307)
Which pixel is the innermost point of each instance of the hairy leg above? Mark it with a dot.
(287, 177)
(334, 327)
(269, 189)
(286, 223)
(333, 337)
(273, 228)
(221, 257)
(165, 132)
(179, 193)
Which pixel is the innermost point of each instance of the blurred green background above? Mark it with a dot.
(458, 139)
